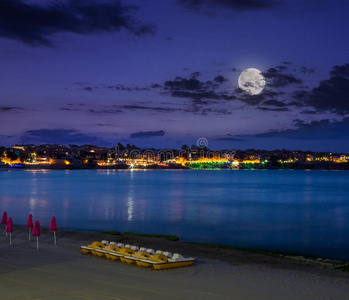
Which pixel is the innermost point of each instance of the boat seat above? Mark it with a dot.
(167, 253)
(177, 256)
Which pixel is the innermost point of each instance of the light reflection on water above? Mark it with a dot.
(290, 211)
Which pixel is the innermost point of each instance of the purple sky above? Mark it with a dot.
(165, 73)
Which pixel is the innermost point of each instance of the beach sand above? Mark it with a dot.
(63, 272)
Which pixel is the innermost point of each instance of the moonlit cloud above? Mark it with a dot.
(276, 78)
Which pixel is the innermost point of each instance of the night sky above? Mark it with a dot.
(163, 73)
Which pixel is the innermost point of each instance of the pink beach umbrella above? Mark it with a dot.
(36, 232)
(53, 227)
(30, 224)
(4, 219)
(9, 228)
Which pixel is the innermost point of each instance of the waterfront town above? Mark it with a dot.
(49, 156)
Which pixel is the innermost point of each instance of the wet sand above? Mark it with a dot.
(63, 272)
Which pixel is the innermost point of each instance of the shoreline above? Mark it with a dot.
(222, 253)
(255, 166)
(204, 249)
(63, 272)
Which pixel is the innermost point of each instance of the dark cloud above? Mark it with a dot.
(84, 86)
(281, 68)
(309, 112)
(69, 109)
(73, 107)
(59, 136)
(35, 24)
(193, 88)
(141, 107)
(110, 110)
(88, 89)
(340, 71)
(315, 130)
(235, 5)
(6, 109)
(306, 70)
(301, 96)
(253, 100)
(117, 109)
(274, 102)
(180, 87)
(231, 138)
(103, 125)
(198, 110)
(220, 79)
(331, 95)
(274, 109)
(147, 134)
(276, 79)
(179, 83)
(120, 87)
(199, 95)
(249, 99)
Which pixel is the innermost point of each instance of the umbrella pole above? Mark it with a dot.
(10, 239)
(54, 234)
(37, 243)
(29, 234)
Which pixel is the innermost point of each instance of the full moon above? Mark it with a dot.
(252, 81)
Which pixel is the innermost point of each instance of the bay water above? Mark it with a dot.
(291, 211)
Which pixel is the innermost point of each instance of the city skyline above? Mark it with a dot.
(165, 73)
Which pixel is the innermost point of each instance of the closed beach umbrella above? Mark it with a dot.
(30, 223)
(4, 219)
(36, 232)
(9, 228)
(53, 227)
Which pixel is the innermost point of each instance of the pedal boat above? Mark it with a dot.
(126, 255)
(161, 262)
(136, 256)
(107, 250)
(91, 248)
(116, 255)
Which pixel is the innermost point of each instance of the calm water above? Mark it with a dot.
(291, 211)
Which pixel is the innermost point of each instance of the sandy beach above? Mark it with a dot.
(63, 272)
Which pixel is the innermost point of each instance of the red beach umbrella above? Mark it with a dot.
(53, 227)
(36, 232)
(4, 219)
(30, 223)
(9, 228)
